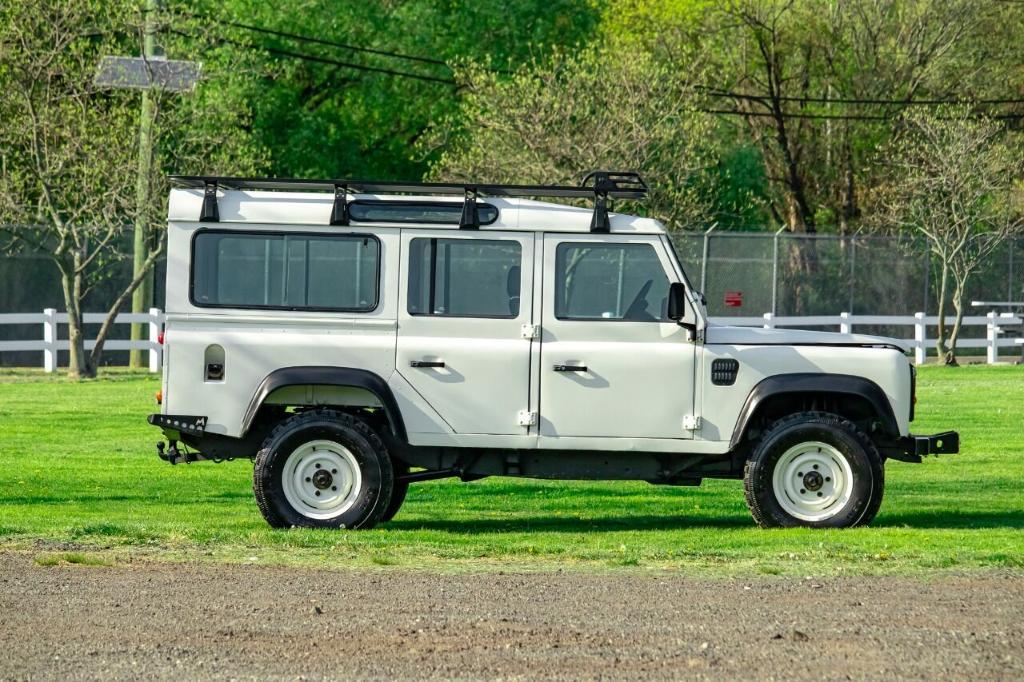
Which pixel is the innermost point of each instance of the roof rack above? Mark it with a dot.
(597, 185)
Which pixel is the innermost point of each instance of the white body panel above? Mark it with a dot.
(639, 378)
(643, 377)
(485, 380)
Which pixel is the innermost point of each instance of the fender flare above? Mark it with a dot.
(328, 376)
(815, 383)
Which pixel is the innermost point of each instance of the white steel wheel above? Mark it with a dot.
(321, 479)
(812, 481)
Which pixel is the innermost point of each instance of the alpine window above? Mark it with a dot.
(287, 271)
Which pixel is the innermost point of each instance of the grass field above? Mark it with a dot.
(79, 474)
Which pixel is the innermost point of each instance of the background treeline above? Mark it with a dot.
(747, 113)
(817, 116)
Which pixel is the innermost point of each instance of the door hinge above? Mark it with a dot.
(691, 422)
(530, 331)
(527, 418)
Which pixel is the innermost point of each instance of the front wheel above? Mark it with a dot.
(814, 469)
(323, 469)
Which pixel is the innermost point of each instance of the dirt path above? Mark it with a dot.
(216, 621)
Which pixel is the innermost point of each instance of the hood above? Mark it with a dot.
(758, 336)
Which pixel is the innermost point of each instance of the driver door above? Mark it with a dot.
(612, 364)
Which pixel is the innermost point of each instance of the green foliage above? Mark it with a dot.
(322, 120)
(79, 473)
(603, 108)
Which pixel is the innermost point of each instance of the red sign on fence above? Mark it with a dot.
(734, 299)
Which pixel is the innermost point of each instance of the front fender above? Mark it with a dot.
(843, 384)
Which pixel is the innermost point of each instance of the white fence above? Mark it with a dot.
(49, 342)
(995, 326)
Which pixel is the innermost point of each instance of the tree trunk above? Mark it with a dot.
(940, 336)
(108, 322)
(71, 283)
(958, 306)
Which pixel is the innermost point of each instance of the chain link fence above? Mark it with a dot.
(742, 274)
(751, 273)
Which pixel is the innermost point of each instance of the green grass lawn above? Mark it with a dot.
(78, 471)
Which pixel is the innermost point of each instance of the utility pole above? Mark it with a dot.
(142, 298)
(152, 71)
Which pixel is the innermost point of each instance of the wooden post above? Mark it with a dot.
(920, 339)
(50, 339)
(155, 350)
(992, 339)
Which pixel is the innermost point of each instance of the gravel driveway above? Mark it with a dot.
(224, 621)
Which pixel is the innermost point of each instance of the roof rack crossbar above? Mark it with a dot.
(339, 212)
(209, 213)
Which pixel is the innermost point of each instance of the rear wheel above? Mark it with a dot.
(814, 469)
(323, 469)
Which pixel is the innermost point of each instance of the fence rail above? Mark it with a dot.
(50, 343)
(996, 325)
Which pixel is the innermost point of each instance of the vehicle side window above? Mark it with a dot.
(287, 271)
(603, 281)
(464, 277)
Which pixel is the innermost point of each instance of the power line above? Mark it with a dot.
(768, 114)
(315, 58)
(715, 92)
(319, 41)
(840, 117)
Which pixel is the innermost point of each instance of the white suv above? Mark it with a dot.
(356, 337)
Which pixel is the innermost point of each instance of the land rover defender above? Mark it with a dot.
(353, 338)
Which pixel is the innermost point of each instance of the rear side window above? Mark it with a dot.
(610, 282)
(464, 277)
(285, 271)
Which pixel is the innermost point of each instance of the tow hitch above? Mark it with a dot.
(912, 448)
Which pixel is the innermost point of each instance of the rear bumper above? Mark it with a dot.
(912, 448)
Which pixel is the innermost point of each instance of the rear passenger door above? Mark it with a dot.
(464, 299)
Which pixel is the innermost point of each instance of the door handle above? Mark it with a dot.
(427, 363)
(570, 368)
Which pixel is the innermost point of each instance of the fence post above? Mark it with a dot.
(50, 339)
(920, 339)
(844, 323)
(775, 269)
(992, 339)
(155, 351)
(704, 260)
(769, 321)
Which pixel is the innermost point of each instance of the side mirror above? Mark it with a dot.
(677, 308)
(676, 301)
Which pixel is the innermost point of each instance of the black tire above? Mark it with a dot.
(398, 491)
(362, 507)
(850, 445)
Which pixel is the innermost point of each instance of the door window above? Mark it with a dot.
(600, 281)
(464, 277)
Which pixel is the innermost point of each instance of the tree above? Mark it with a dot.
(68, 151)
(816, 85)
(324, 120)
(605, 108)
(955, 179)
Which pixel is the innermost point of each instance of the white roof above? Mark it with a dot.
(314, 208)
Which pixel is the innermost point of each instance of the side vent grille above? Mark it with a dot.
(723, 371)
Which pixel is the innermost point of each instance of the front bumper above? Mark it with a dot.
(912, 448)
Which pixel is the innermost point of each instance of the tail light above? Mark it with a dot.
(160, 397)
(913, 390)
